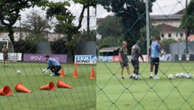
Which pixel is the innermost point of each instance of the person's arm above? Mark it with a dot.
(49, 64)
(120, 58)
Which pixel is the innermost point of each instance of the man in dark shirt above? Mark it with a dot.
(123, 52)
(135, 54)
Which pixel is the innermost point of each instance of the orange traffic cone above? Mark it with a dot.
(50, 86)
(20, 88)
(92, 76)
(75, 75)
(6, 91)
(62, 72)
(61, 84)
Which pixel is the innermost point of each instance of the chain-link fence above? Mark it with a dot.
(173, 90)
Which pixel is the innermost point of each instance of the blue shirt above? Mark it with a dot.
(155, 50)
(53, 62)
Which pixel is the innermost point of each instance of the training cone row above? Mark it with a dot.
(51, 86)
(6, 90)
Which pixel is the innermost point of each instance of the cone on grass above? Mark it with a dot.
(62, 72)
(50, 86)
(6, 91)
(61, 84)
(75, 75)
(92, 76)
(21, 88)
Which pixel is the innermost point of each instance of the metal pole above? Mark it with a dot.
(88, 19)
(187, 34)
(147, 26)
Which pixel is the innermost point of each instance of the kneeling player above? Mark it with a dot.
(136, 53)
(53, 65)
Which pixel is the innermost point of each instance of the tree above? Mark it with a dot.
(132, 14)
(35, 23)
(188, 19)
(65, 19)
(10, 12)
(110, 26)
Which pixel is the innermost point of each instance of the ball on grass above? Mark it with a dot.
(19, 72)
(170, 77)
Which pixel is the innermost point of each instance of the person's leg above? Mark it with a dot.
(122, 76)
(156, 66)
(151, 70)
(128, 70)
(56, 70)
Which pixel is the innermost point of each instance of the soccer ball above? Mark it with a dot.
(170, 76)
(188, 76)
(182, 75)
(177, 75)
(19, 72)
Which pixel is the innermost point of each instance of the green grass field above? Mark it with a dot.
(82, 96)
(145, 94)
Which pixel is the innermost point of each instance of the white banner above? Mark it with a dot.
(12, 56)
(85, 59)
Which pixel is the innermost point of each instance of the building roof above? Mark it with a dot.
(108, 49)
(176, 16)
(191, 38)
(166, 17)
(168, 28)
(181, 12)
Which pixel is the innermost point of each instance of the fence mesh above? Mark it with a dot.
(147, 94)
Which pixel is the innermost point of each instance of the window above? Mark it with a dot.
(169, 35)
(177, 34)
(162, 35)
(181, 34)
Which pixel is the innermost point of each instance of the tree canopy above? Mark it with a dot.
(10, 12)
(132, 14)
(188, 18)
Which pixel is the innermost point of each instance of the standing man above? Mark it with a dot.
(136, 53)
(5, 54)
(123, 52)
(154, 58)
(53, 65)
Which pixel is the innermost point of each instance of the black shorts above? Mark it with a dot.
(5, 56)
(124, 64)
(155, 61)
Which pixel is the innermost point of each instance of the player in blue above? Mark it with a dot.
(154, 58)
(53, 65)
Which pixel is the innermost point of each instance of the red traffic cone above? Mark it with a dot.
(92, 76)
(20, 88)
(61, 84)
(50, 86)
(75, 75)
(6, 91)
(62, 72)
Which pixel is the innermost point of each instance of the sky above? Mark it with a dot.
(160, 7)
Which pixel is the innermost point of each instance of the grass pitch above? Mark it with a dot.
(80, 97)
(145, 94)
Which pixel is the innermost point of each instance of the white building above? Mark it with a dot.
(169, 25)
(23, 34)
